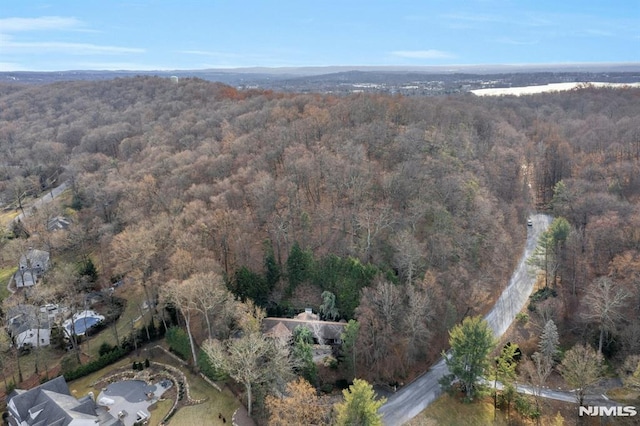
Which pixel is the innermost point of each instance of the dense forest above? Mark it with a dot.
(411, 212)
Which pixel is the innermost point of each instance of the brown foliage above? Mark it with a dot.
(300, 405)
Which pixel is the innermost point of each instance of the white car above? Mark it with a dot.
(529, 222)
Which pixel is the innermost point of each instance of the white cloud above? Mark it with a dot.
(476, 17)
(13, 41)
(120, 66)
(423, 54)
(205, 53)
(13, 25)
(9, 46)
(516, 42)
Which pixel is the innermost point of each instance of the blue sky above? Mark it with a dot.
(59, 35)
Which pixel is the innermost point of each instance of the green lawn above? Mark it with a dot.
(217, 402)
(7, 216)
(5, 276)
(447, 411)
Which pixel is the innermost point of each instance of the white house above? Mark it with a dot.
(28, 325)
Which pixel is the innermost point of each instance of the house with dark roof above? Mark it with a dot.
(51, 404)
(29, 325)
(324, 332)
(58, 223)
(31, 267)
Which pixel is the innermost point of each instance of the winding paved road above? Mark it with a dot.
(47, 198)
(28, 210)
(409, 401)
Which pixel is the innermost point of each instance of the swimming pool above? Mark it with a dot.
(82, 322)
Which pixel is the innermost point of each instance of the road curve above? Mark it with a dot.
(46, 198)
(409, 401)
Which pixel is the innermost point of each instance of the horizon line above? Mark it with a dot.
(316, 68)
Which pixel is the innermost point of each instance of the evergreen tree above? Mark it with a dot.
(303, 352)
(271, 267)
(349, 338)
(360, 407)
(471, 342)
(549, 341)
(504, 371)
(249, 285)
(299, 266)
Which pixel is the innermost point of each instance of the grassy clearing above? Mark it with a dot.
(5, 276)
(625, 395)
(224, 403)
(447, 411)
(158, 411)
(7, 216)
(216, 402)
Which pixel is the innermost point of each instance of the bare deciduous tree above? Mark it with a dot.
(581, 368)
(605, 301)
(252, 359)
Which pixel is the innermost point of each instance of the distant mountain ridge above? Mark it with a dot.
(432, 80)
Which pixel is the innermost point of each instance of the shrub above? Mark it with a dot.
(95, 365)
(543, 294)
(105, 348)
(69, 363)
(522, 317)
(342, 384)
(178, 341)
(25, 349)
(207, 369)
(326, 388)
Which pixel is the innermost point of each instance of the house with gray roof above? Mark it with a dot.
(51, 404)
(324, 332)
(31, 267)
(58, 223)
(29, 325)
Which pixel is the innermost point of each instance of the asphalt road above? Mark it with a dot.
(413, 398)
(47, 198)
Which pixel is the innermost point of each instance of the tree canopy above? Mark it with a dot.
(471, 342)
(360, 406)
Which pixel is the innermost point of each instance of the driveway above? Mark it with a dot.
(128, 397)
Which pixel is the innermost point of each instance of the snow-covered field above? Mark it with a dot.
(554, 87)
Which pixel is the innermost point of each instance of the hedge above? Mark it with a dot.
(95, 365)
